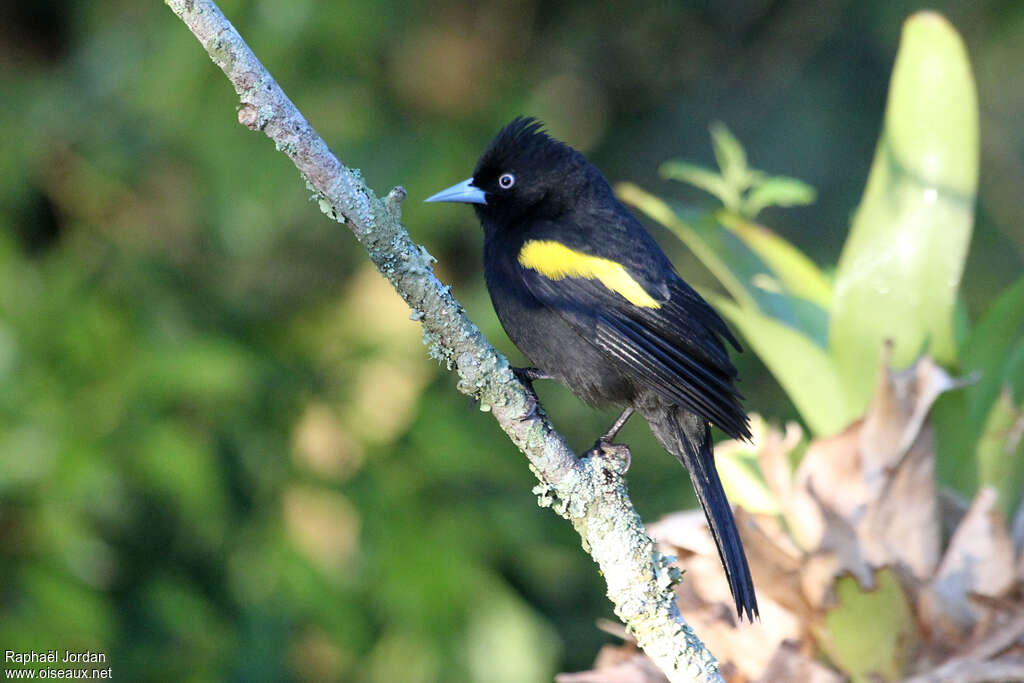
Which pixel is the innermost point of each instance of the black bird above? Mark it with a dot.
(588, 295)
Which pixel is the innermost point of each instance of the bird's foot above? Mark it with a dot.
(526, 377)
(532, 407)
(604, 448)
(530, 375)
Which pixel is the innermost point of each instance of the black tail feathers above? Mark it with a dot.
(688, 437)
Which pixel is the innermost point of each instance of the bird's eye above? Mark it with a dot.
(506, 180)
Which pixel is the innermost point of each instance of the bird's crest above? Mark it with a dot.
(521, 132)
(524, 143)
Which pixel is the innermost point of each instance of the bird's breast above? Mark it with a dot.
(549, 341)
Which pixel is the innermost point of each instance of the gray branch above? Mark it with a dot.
(589, 492)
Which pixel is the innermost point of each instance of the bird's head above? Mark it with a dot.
(523, 173)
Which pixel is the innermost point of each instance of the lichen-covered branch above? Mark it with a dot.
(589, 492)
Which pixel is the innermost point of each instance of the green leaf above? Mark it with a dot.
(730, 157)
(987, 349)
(777, 191)
(704, 178)
(806, 317)
(1013, 372)
(1000, 452)
(955, 441)
(961, 324)
(804, 369)
(800, 276)
(961, 416)
(870, 634)
(901, 266)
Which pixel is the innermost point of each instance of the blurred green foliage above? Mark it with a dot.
(743, 190)
(223, 451)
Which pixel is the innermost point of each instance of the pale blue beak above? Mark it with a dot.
(463, 192)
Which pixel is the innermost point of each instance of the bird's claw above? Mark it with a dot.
(532, 404)
(526, 377)
(615, 451)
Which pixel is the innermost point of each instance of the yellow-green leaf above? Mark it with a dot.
(731, 157)
(777, 191)
(901, 266)
(870, 634)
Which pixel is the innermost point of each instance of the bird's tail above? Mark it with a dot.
(688, 437)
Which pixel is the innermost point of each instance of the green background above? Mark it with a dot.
(224, 453)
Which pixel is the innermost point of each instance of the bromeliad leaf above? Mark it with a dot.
(988, 346)
(900, 268)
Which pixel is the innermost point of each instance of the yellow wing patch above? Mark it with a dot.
(556, 261)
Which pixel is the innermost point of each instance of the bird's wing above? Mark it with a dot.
(663, 333)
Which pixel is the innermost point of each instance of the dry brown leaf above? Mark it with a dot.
(829, 473)
(879, 475)
(774, 562)
(773, 458)
(902, 526)
(963, 671)
(1003, 634)
(902, 523)
(710, 583)
(790, 664)
(838, 552)
(617, 664)
(897, 414)
(743, 649)
(747, 648)
(687, 531)
(998, 656)
(979, 559)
